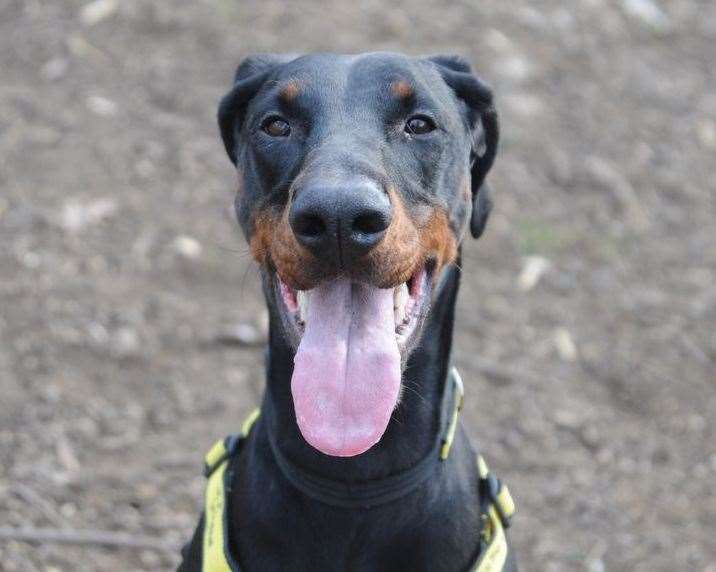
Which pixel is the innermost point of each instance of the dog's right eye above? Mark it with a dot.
(276, 126)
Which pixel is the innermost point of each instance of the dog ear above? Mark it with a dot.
(248, 79)
(484, 125)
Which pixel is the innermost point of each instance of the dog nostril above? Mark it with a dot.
(311, 226)
(370, 223)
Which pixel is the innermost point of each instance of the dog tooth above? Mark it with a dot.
(400, 297)
(302, 298)
(399, 313)
(402, 292)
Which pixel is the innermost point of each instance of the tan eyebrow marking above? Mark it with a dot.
(401, 89)
(290, 91)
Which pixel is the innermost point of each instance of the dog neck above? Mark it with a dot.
(412, 432)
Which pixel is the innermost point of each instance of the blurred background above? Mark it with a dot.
(131, 322)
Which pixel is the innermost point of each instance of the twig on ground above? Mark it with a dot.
(87, 537)
(34, 499)
(505, 374)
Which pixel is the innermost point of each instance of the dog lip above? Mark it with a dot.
(417, 306)
(292, 306)
(287, 307)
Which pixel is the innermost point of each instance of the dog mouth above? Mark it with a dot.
(410, 304)
(351, 342)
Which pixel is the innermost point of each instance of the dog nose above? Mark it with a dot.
(340, 222)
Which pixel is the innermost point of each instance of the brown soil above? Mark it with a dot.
(592, 393)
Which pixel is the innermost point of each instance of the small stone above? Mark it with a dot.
(96, 11)
(566, 348)
(150, 559)
(187, 247)
(531, 17)
(66, 454)
(241, 334)
(81, 48)
(533, 268)
(524, 104)
(30, 259)
(68, 510)
(101, 106)
(648, 13)
(707, 134)
(498, 41)
(567, 419)
(515, 68)
(590, 437)
(125, 343)
(97, 333)
(76, 215)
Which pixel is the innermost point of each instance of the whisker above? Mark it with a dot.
(415, 392)
(241, 252)
(249, 268)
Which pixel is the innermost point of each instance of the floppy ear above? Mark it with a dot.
(483, 122)
(248, 79)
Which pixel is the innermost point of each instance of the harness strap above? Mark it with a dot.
(216, 556)
(499, 509)
(458, 398)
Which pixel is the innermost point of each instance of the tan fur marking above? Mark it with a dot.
(290, 91)
(261, 237)
(273, 241)
(401, 89)
(397, 256)
(437, 239)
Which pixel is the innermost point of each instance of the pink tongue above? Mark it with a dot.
(346, 375)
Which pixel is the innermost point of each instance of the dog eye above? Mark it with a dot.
(419, 125)
(276, 127)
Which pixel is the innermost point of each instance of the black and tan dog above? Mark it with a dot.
(359, 176)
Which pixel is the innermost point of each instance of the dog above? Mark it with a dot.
(358, 178)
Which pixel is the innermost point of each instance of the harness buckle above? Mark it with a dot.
(458, 395)
(220, 452)
(500, 498)
(225, 448)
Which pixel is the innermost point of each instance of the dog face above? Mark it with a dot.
(358, 176)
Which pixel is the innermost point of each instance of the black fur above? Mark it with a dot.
(435, 528)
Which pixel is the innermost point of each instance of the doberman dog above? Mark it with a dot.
(359, 176)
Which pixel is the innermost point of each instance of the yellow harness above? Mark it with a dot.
(496, 509)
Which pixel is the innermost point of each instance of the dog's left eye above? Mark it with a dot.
(276, 127)
(419, 125)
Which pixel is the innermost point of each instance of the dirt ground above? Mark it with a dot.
(587, 320)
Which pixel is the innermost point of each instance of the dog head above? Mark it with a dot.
(358, 179)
